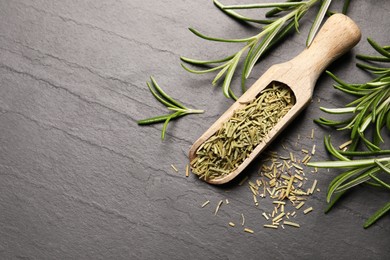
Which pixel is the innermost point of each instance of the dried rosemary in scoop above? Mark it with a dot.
(223, 152)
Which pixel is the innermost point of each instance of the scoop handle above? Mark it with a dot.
(337, 36)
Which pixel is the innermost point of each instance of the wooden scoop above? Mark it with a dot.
(338, 35)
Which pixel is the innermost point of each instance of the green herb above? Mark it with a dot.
(382, 211)
(346, 6)
(173, 105)
(372, 105)
(360, 171)
(369, 112)
(256, 46)
(223, 152)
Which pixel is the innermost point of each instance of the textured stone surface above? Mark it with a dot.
(79, 178)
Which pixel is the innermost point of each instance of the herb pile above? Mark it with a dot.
(368, 114)
(281, 190)
(223, 152)
(283, 179)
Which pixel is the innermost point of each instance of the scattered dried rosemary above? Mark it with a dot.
(282, 178)
(223, 152)
(282, 189)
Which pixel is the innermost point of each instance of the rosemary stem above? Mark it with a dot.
(253, 6)
(194, 111)
(347, 164)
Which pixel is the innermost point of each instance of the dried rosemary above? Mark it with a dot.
(223, 152)
(283, 180)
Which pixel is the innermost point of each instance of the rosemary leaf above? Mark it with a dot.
(263, 45)
(324, 121)
(164, 129)
(339, 180)
(318, 20)
(160, 99)
(378, 48)
(165, 96)
(205, 71)
(363, 177)
(219, 75)
(346, 6)
(335, 199)
(377, 215)
(252, 6)
(205, 62)
(333, 150)
(153, 120)
(338, 110)
(277, 10)
(347, 164)
(239, 16)
(372, 58)
(384, 184)
(365, 153)
(229, 74)
(383, 167)
(197, 33)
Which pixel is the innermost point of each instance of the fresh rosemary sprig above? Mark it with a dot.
(372, 107)
(178, 109)
(370, 171)
(369, 111)
(256, 46)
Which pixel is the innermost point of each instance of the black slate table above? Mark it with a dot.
(79, 179)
